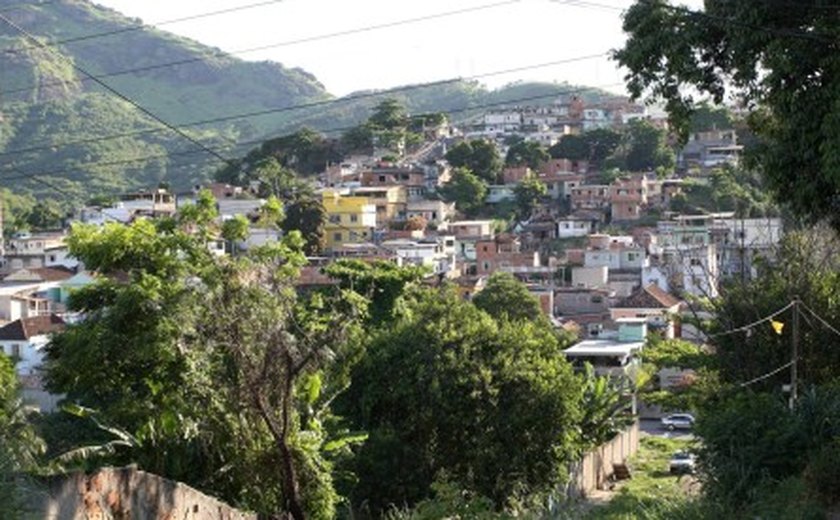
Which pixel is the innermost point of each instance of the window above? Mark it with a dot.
(381, 178)
(354, 218)
(15, 350)
(631, 257)
(337, 237)
(486, 266)
(335, 219)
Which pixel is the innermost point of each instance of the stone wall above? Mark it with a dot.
(127, 493)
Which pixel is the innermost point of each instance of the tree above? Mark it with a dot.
(45, 214)
(506, 297)
(276, 345)
(644, 148)
(389, 114)
(607, 406)
(571, 147)
(445, 389)
(528, 194)
(479, 156)
(777, 59)
(214, 367)
(465, 189)
(307, 215)
(527, 153)
(602, 143)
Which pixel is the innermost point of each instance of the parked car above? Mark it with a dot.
(683, 421)
(681, 462)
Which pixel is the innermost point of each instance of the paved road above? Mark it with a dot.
(654, 427)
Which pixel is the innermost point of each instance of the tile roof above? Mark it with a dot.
(650, 297)
(41, 274)
(25, 328)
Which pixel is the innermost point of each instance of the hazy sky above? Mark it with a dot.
(500, 36)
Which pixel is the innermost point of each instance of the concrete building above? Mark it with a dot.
(349, 219)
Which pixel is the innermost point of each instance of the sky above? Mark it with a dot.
(422, 41)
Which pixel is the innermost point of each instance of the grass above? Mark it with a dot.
(652, 493)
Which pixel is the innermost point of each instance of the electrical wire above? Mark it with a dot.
(309, 105)
(820, 319)
(142, 26)
(24, 5)
(769, 374)
(113, 91)
(753, 324)
(331, 130)
(222, 55)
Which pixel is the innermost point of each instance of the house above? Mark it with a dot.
(437, 254)
(149, 203)
(628, 197)
(659, 308)
(590, 197)
(24, 340)
(711, 148)
(617, 356)
(575, 227)
(33, 251)
(350, 219)
(414, 179)
(504, 253)
(515, 174)
(390, 202)
(687, 255)
(434, 211)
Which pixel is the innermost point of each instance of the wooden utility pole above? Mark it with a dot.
(795, 351)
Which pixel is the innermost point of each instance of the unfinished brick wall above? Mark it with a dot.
(127, 493)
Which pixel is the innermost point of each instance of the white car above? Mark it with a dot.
(681, 462)
(683, 421)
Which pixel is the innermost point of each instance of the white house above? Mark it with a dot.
(24, 340)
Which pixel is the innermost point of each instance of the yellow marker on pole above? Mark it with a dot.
(777, 326)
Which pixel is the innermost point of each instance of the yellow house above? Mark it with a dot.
(390, 201)
(350, 219)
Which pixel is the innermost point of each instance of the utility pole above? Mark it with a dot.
(795, 351)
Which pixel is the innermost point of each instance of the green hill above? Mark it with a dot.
(53, 119)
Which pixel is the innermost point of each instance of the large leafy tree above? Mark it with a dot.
(479, 156)
(526, 153)
(573, 147)
(216, 370)
(778, 57)
(644, 147)
(465, 189)
(447, 390)
(308, 216)
(528, 194)
(506, 297)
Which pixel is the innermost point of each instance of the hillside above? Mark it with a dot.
(53, 119)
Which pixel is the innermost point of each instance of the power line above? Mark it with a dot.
(23, 5)
(142, 26)
(820, 319)
(769, 374)
(753, 324)
(331, 130)
(312, 104)
(286, 43)
(113, 91)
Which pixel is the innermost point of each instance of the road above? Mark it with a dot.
(654, 427)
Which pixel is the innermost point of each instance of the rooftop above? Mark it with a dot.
(23, 329)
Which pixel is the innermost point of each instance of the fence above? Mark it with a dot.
(596, 467)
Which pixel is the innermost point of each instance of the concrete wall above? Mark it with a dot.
(123, 493)
(594, 470)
